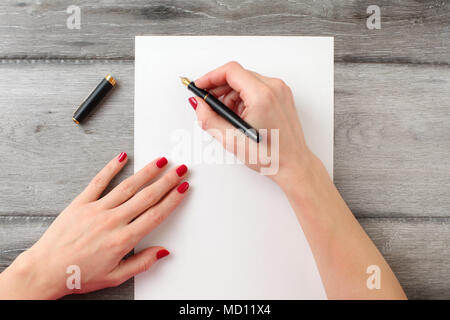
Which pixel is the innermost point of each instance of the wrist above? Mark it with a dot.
(29, 278)
(305, 180)
(298, 171)
(313, 196)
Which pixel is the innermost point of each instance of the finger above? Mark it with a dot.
(210, 121)
(231, 100)
(151, 195)
(221, 90)
(240, 108)
(137, 263)
(151, 218)
(232, 139)
(128, 188)
(232, 74)
(97, 185)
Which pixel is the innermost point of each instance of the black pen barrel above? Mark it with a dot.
(232, 117)
(225, 112)
(197, 91)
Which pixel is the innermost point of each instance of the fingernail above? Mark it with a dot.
(122, 156)
(162, 253)
(161, 162)
(181, 170)
(193, 102)
(183, 187)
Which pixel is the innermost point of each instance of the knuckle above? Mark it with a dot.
(99, 181)
(157, 216)
(170, 179)
(288, 91)
(149, 169)
(126, 238)
(279, 84)
(265, 95)
(150, 196)
(204, 122)
(127, 188)
(110, 168)
(201, 118)
(144, 265)
(234, 64)
(110, 220)
(153, 216)
(122, 241)
(114, 244)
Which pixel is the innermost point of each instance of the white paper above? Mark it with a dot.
(235, 236)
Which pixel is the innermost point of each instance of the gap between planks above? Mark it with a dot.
(391, 218)
(128, 59)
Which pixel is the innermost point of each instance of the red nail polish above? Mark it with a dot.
(162, 253)
(161, 162)
(193, 102)
(122, 156)
(183, 187)
(181, 170)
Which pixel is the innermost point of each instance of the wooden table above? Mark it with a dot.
(392, 112)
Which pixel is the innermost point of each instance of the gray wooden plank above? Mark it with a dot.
(49, 159)
(417, 251)
(392, 145)
(411, 31)
(392, 152)
(413, 247)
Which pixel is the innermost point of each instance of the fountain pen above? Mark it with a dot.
(222, 110)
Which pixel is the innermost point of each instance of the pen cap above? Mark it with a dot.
(94, 98)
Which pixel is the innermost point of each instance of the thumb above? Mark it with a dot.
(137, 263)
(209, 120)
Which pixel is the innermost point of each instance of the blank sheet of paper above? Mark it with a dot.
(235, 236)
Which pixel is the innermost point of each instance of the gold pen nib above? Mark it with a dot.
(185, 81)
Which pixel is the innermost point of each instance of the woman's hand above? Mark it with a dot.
(265, 103)
(329, 225)
(94, 234)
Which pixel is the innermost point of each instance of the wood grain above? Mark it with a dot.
(417, 251)
(392, 145)
(392, 152)
(411, 31)
(392, 93)
(412, 247)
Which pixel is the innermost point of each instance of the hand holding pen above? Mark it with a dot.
(222, 110)
(265, 103)
(328, 224)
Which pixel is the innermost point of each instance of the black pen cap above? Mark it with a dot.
(94, 99)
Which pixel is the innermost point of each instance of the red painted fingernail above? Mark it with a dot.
(183, 187)
(122, 156)
(161, 162)
(193, 102)
(162, 253)
(181, 170)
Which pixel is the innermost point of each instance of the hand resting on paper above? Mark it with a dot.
(91, 237)
(341, 248)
